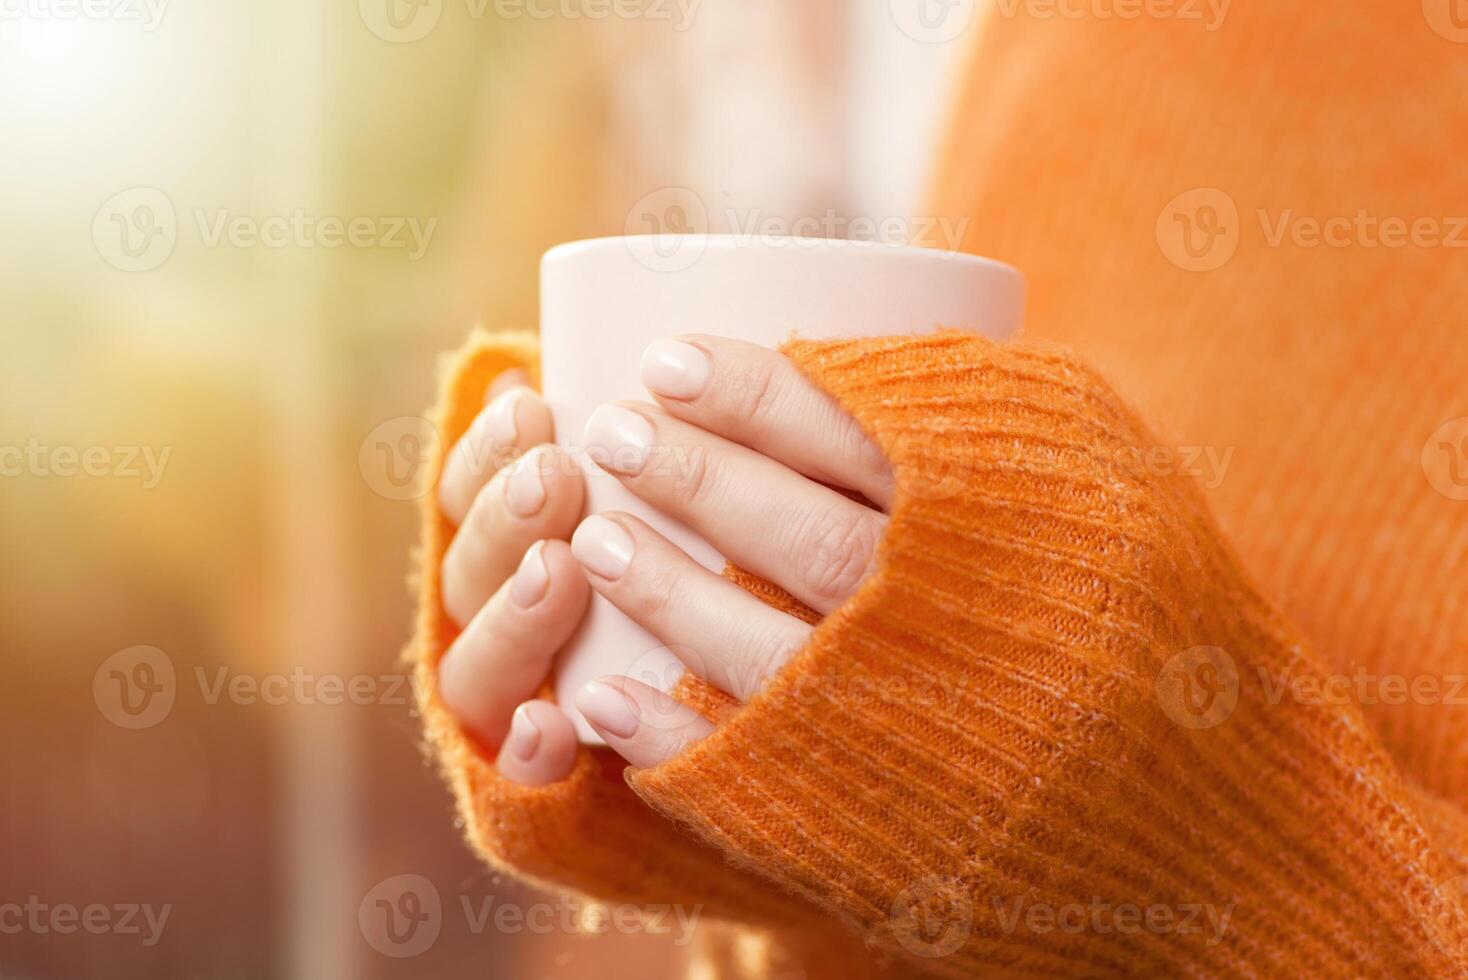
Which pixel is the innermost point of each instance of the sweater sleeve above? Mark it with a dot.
(1053, 733)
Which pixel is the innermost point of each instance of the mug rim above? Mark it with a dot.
(772, 243)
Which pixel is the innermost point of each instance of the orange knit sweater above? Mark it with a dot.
(1075, 724)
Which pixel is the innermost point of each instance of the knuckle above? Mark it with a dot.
(646, 603)
(562, 481)
(484, 517)
(695, 477)
(667, 731)
(873, 465)
(755, 393)
(873, 458)
(451, 501)
(647, 592)
(475, 458)
(535, 414)
(775, 651)
(454, 587)
(838, 552)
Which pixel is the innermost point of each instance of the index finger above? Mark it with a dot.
(758, 398)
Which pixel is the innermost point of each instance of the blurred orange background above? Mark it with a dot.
(235, 238)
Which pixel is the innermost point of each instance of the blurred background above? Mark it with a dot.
(234, 238)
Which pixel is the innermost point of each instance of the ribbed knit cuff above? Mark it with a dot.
(1041, 739)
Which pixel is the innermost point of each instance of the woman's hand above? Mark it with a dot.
(741, 447)
(509, 580)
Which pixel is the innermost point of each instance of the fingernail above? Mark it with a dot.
(531, 579)
(525, 489)
(674, 369)
(524, 737)
(618, 439)
(501, 426)
(607, 708)
(602, 546)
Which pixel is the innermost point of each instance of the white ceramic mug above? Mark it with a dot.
(603, 301)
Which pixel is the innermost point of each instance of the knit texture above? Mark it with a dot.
(1306, 380)
(1043, 739)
